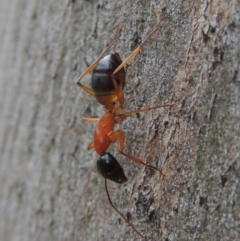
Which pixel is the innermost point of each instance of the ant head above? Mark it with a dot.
(110, 168)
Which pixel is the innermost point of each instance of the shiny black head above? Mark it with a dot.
(110, 168)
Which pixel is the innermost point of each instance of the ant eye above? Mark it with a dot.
(110, 168)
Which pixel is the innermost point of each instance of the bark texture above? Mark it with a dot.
(50, 188)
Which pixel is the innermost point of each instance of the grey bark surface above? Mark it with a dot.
(50, 188)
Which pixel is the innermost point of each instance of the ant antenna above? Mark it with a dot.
(130, 224)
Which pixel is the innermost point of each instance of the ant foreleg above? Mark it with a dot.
(137, 160)
(120, 137)
(91, 145)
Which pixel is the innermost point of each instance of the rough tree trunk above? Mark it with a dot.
(50, 188)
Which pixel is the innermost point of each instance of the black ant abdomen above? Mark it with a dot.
(102, 79)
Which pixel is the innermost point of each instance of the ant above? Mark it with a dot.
(108, 82)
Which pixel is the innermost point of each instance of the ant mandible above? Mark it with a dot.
(108, 82)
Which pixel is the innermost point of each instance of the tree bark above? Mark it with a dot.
(50, 188)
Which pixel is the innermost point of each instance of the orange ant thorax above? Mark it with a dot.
(101, 138)
(105, 126)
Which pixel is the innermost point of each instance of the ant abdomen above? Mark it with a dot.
(102, 79)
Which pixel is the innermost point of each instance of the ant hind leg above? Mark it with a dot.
(91, 67)
(139, 48)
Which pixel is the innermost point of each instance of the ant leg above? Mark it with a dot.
(119, 86)
(91, 145)
(119, 90)
(93, 118)
(137, 160)
(119, 118)
(91, 67)
(148, 108)
(139, 48)
(120, 136)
